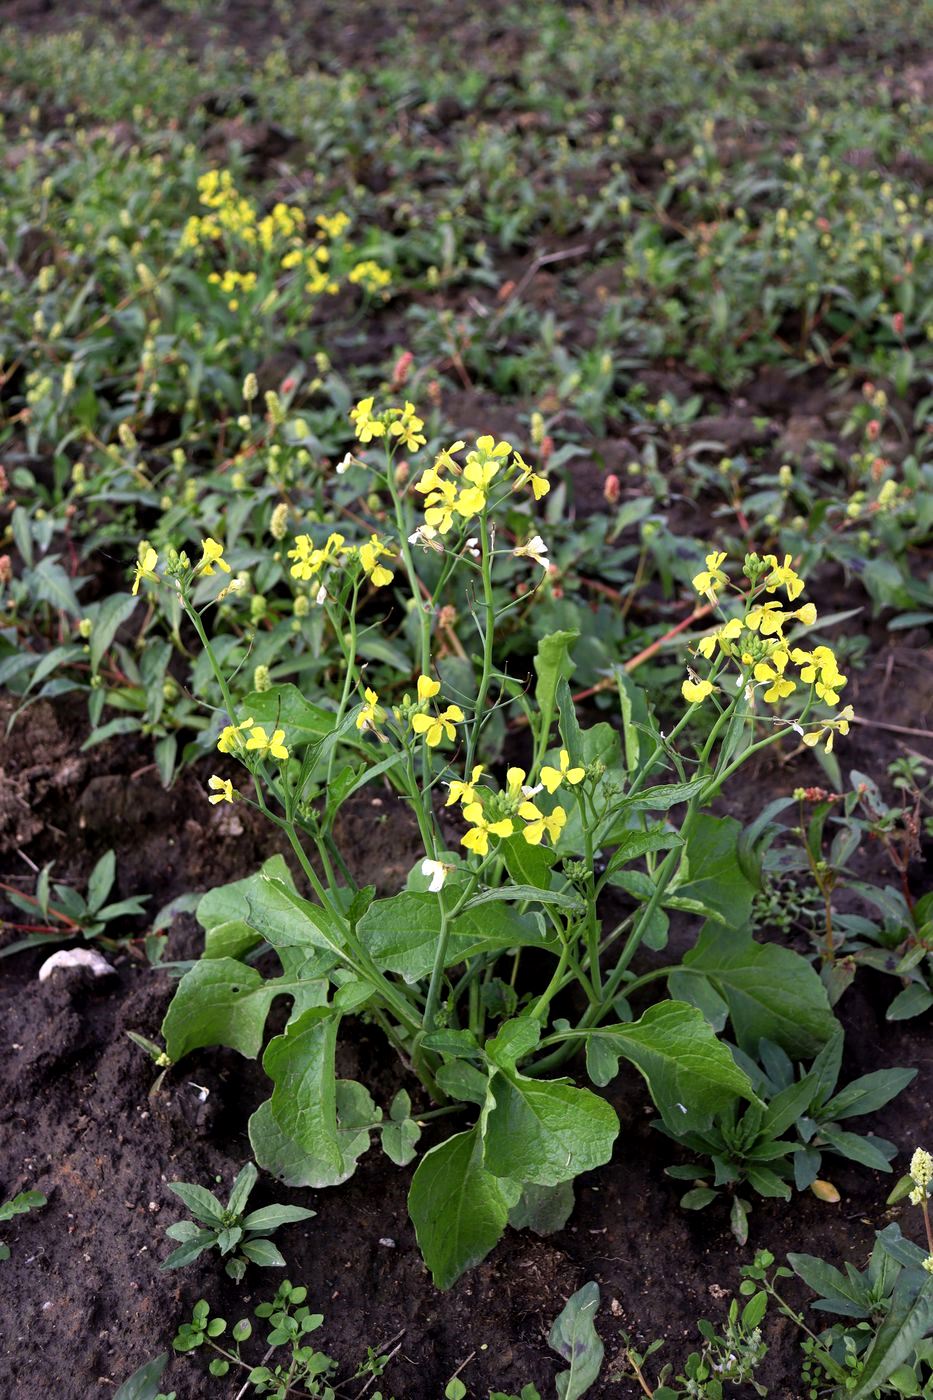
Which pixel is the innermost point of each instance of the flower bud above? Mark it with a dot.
(612, 489)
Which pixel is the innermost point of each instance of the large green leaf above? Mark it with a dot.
(713, 873)
(545, 1131)
(219, 1001)
(574, 1337)
(458, 1208)
(772, 993)
(401, 933)
(296, 1134)
(690, 1073)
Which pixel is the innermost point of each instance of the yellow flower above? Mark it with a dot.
(223, 790)
(370, 714)
(367, 426)
(712, 577)
(772, 670)
(439, 506)
(540, 485)
(408, 428)
(230, 736)
(370, 554)
(445, 459)
(437, 727)
(695, 691)
(145, 566)
(541, 825)
(427, 688)
(463, 791)
(840, 723)
(259, 742)
(477, 838)
(783, 576)
(553, 777)
(806, 614)
(211, 554)
(767, 618)
(514, 782)
(471, 501)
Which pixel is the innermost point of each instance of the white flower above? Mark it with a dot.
(345, 463)
(320, 596)
(535, 549)
(438, 873)
(472, 547)
(426, 536)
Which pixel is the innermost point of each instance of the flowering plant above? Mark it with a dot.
(515, 872)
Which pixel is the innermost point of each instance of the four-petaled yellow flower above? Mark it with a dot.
(367, 426)
(463, 791)
(408, 428)
(783, 576)
(712, 577)
(211, 554)
(772, 670)
(477, 838)
(696, 690)
(370, 714)
(231, 736)
(541, 824)
(553, 777)
(437, 727)
(427, 688)
(259, 742)
(145, 566)
(223, 790)
(370, 554)
(440, 506)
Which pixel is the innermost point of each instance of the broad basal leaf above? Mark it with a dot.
(689, 1071)
(545, 1131)
(458, 1208)
(401, 933)
(297, 1134)
(772, 993)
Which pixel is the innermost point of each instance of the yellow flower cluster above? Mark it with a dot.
(447, 498)
(234, 219)
(757, 644)
(310, 559)
(515, 800)
(250, 737)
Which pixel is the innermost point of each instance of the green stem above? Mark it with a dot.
(489, 637)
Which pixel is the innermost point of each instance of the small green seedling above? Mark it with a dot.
(19, 1205)
(228, 1227)
(66, 914)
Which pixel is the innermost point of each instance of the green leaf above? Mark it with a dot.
(401, 933)
(295, 1134)
(664, 797)
(772, 993)
(459, 1210)
(909, 1320)
(219, 1001)
(713, 874)
(527, 865)
(285, 707)
(690, 1073)
(202, 1203)
(271, 1217)
(49, 583)
(630, 845)
(552, 664)
(264, 1253)
(111, 615)
(101, 881)
(849, 1296)
(144, 1383)
(242, 1189)
(575, 1339)
(545, 1131)
(230, 903)
(543, 1209)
